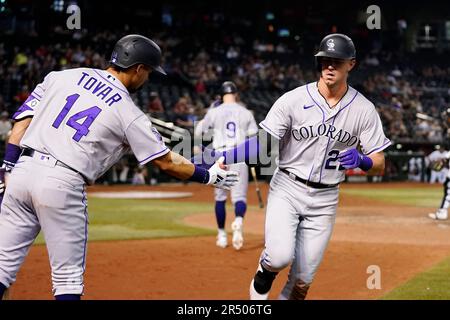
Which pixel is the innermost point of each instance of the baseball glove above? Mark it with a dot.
(438, 165)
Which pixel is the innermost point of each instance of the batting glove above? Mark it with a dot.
(219, 177)
(351, 159)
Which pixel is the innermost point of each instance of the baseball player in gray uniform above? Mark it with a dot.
(323, 128)
(231, 123)
(73, 127)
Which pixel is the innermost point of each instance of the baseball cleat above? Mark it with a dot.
(222, 240)
(238, 239)
(255, 295)
(441, 214)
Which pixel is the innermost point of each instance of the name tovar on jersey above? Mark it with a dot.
(91, 121)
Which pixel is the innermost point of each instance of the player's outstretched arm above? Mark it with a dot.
(179, 167)
(378, 163)
(12, 152)
(18, 130)
(250, 151)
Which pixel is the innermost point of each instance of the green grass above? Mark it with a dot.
(117, 219)
(433, 284)
(416, 197)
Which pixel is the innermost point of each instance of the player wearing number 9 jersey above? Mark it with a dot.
(74, 126)
(231, 123)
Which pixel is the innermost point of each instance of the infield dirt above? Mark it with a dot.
(397, 238)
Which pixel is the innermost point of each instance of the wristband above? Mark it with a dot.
(366, 163)
(200, 175)
(12, 154)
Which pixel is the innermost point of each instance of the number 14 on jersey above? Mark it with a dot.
(82, 129)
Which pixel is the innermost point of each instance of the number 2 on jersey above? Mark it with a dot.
(333, 155)
(81, 128)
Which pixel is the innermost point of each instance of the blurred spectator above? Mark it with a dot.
(262, 71)
(22, 95)
(120, 171)
(232, 53)
(140, 174)
(2, 104)
(181, 114)
(371, 60)
(155, 106)
(20, 58)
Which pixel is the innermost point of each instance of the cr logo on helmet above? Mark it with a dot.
(330, 45)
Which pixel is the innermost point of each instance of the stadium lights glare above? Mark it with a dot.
(270, 16)
(58, 5)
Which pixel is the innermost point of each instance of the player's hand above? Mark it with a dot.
(219, 177)
(350, 159)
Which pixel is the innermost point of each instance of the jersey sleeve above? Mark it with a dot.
(277, 121)
(252, 126)
(28, 108)
(144, 140)
(198, 131)
(207, 121)
(372, 136)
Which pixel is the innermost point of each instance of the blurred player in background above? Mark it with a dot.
(436, 156)
(439, 166)
(415, 166)
(231, 123)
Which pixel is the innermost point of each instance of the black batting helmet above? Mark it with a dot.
(337, 45)
(228, 87)
(133, 49)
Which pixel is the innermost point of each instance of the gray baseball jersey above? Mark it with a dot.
(312, 134)
(231, 123)
(300, 218)
(86, 119)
